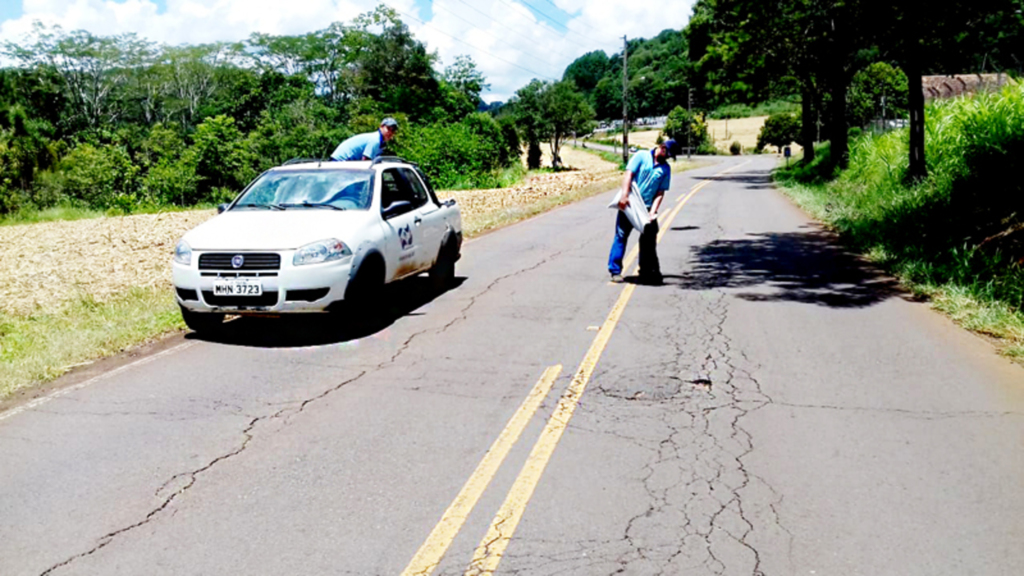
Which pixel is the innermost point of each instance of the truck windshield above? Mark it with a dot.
(334, 189)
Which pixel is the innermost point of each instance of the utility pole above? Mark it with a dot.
(625, 114)
(689, 129)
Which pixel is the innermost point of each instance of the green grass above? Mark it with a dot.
(42, 346)
(956, 237)
(55, 213)
(747, 111)
(504, 178)
(612, 157)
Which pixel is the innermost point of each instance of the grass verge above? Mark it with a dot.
(40, 347)
(56, 213)
(956, 237)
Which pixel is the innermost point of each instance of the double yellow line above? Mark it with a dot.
(492, 547)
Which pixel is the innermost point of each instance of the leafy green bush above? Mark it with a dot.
(222, 160)
(172, 181)
(96, 176)
(735, 148)
(511, 149)
(466, 154)
(302, 129)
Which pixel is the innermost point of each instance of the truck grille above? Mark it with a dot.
(251, 261)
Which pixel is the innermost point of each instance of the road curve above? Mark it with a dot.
(776, 407)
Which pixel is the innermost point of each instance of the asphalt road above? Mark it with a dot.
(777, 407)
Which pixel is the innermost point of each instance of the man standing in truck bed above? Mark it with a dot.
(366, 146)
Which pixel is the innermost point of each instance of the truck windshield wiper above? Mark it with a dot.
(314, 205)
(267, 206)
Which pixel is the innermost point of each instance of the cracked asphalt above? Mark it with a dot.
(776, 407)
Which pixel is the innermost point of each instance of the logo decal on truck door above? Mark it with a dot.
(405, 237)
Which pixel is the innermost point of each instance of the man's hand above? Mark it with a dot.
(627, 182)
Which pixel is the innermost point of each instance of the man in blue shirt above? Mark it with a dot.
(366, 146)
(652, 175)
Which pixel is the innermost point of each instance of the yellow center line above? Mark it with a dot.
(683, 199)
(434, 548)
(635, 250)
(493, 545)
(488, 554)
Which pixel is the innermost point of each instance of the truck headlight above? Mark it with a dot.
(183, 253)
(322, 251)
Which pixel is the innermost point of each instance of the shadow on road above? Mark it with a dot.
(299, 330)
(760, 180)
(805, 267)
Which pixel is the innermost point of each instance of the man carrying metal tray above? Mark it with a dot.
(647, 177)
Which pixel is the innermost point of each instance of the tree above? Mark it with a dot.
(191, 78)
(587, 70)
(686, 128)
(779, 130)
(949, 36)
(550, 111)
(878, 88)
(394, 70)
(528, 111)
(464, 76)
(566, 112)
(92, 68)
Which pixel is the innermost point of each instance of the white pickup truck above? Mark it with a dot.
(306, 236)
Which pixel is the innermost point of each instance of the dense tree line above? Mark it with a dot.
(118, 121)
(836, 57)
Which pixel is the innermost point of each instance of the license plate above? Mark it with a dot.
(237, 288)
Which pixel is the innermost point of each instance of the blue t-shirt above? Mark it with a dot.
(649, 177)
(359, 146)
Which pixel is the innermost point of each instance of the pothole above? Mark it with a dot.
(701, 384)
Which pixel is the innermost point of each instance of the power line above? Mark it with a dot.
(515, 9)
(557, 23)
(563, 10)
(535, 57)
(476, 47)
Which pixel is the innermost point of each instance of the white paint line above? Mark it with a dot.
(64, 391)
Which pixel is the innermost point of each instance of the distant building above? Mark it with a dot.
(962, 84)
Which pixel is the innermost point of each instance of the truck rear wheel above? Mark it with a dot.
(442, 273)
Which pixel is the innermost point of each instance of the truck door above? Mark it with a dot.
(402, 234)
(431, 223)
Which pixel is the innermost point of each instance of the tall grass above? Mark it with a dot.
(70, 212)
(746, 111)
(44, 345)
(957, 236)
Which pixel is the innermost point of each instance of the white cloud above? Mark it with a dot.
(509, 43)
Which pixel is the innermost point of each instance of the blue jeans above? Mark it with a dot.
(649, 265)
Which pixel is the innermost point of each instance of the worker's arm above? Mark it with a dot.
(657, 203)
(627, 181)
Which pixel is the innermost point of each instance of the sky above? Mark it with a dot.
(512, 41)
